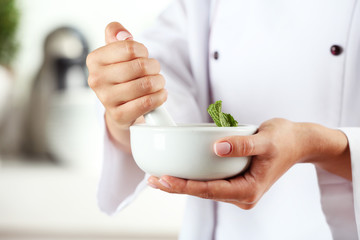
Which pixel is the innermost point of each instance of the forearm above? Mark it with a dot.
(326, 148)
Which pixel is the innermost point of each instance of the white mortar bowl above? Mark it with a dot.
(186, 151)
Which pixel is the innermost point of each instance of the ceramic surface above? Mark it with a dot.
(186, 151)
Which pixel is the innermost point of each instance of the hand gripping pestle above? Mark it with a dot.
(158, 116)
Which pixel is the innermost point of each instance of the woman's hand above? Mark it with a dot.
(125, 80)
(276, 147)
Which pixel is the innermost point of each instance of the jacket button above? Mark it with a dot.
(336, 50)
(216, 55)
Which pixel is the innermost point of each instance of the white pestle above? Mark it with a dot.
(159, 117)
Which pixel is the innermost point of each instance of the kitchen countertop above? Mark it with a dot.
(42, 201)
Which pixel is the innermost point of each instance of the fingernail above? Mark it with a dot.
(164, 183)
(152, 185)
(124, 35)
(222, 148)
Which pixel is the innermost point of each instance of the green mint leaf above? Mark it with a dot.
(227, 120)
(214, 111)
(221, 119)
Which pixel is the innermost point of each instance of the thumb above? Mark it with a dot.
(115, 31)
(239, 146)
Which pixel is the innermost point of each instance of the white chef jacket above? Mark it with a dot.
(272, 59)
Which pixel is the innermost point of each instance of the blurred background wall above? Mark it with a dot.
(50, 193)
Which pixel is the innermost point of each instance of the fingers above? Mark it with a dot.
(122, 72)
(241, 190)
(121, 93)
(117, 52)
(112, 30)
(127, 71)
(125, 80)
(237, 146)
(134, 109)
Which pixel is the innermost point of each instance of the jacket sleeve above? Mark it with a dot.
(340, 198)
(353, 135)
(121, 180)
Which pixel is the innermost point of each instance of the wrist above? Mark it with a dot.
(326, 148)
(118, 134)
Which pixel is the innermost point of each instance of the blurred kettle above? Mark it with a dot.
(61, 103)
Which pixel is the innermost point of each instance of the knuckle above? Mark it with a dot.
(90, 59)
(118, 115)
(147, 103)
(271, 146)
(280, 120)
(253, 195)
(205, 192)
(251, 198)
(91, 82)
(130, 49)
(247, 206)
(105, 99)
(143, 49)
(181, 188)
(140, 66)
(146, 84)
(94, 80)
(247, 146)
(250, 195)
